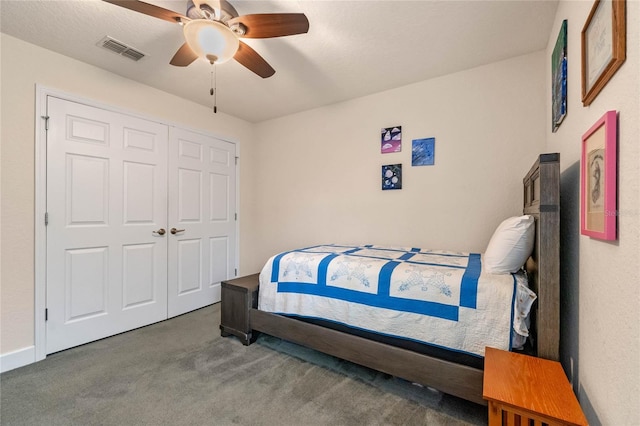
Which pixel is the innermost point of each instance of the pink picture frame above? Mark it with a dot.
(598, 179)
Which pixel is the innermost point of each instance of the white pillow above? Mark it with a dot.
(510, 246)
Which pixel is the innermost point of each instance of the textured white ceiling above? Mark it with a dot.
(353, 48)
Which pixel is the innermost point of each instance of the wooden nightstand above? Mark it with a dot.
(238, 296)
(520, 388)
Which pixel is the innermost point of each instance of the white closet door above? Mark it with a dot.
(106, 195)
(202, 200)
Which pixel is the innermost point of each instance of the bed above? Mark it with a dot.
(384, 347)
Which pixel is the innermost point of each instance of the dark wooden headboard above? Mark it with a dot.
(542, 200)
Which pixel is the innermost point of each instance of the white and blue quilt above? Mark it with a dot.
(436, 297)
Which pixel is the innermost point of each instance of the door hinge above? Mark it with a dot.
(236, 272)
(237, 160)
(46, 314)
(236, 216)
(46, 218)
(46, 121)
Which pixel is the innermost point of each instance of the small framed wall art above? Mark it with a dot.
(392, 176)
(423, 152)
(598, 177)
(604, 46)
(391, 139)
(559, 79)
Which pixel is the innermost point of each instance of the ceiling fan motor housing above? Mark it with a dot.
(215, 10)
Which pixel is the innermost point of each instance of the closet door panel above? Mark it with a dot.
(106, 195)
(202, 213)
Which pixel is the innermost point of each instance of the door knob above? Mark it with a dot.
(160, 231)
(174, 231)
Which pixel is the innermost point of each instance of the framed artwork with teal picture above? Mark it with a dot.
(559, 79)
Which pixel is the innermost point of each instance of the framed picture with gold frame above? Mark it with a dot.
(604, 39)
(598, 178)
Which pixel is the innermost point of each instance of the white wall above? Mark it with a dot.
(320, 171)
(24, 65)
(600, 293)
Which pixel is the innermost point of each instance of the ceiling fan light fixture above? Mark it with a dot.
(211, 40)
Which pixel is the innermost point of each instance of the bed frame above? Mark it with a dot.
(541, 199)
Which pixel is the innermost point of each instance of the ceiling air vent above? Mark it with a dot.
(120, 48)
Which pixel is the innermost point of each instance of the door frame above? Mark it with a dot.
(40, 229)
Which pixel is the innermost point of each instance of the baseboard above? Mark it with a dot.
(18, 358)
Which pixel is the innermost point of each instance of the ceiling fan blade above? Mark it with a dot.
(254, 62)
(267, 25)
(184, 56)
(151, 10)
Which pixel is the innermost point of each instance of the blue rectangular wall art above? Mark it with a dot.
(423, 152)
(392, 176)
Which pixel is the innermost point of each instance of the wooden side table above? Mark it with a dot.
(238, 296)
(521, 389)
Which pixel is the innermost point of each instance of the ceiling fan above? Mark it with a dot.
(212, 30)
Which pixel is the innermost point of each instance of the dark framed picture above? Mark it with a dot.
(598, 177)
(604, 46)
(392, 176)
(559, 79)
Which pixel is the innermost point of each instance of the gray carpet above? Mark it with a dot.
(181, 372)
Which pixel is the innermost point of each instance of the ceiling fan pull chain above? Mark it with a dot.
(214, 90)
